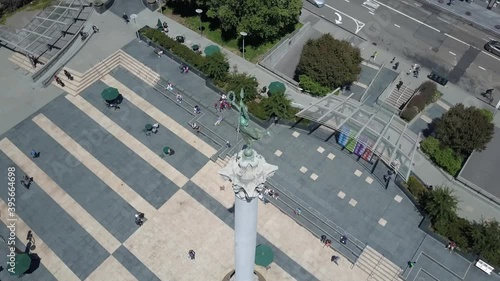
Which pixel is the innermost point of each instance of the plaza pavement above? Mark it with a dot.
(97, 167)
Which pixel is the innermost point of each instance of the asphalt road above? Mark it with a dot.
(422, 34)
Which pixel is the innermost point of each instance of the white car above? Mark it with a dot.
(318, 3)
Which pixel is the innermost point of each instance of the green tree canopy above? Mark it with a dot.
(236, 81)
(464, 129)
(216, 67)
(441, 205)
(485, 238)
(261, 19)
(279, 105)
(329, 62)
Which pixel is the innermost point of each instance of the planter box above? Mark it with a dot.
(101, 8)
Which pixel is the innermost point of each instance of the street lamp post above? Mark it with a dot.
(243, 33)
(199, 11)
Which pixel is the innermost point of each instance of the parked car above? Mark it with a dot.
(493, 47)
(318, 3)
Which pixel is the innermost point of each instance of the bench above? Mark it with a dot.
(484, 267)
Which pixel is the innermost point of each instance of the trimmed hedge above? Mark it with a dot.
(416, 188)
(444, 157)
(428, 94)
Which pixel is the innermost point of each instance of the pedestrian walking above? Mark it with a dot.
(393, 59)
(411, 264)
(125, 18)
(335, 259)
(276, 195)
(139, 218)
(178, 98)
(396, 65)
(297, 211)
(34, 153)
(388, 176)
(26, 181)
(228, 144)
(374, 56)
(322, 238)
(95, 29)
(399, 85)
(195, 127)
(192, 254)
(169, 87)
(59, 81)
(68, 75)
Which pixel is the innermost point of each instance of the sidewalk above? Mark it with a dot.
(264, 77)
(475, 13)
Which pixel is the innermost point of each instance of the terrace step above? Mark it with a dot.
(377, 266)
(399, 97)
(22, 61)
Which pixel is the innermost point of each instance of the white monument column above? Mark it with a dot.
(247, 171)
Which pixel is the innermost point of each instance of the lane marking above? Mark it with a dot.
(482, 68)
(485, 39)
(403, 14)
(371, 13)
(454, 38)
(452, 53)
(486, 53)
(347, 1)
(397, 26)
(405, 2)
(359, 24)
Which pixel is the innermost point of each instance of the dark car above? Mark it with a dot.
(493, 47)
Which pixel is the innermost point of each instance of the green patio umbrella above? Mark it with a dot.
(159, 25)
(212, 49)
(277, 87)
(264, 255)
(110, 94)
(22, 264)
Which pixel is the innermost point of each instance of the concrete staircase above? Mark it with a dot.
(398, 98)
(377, 266)
(23, 62)
(222, 162)
(98, 71)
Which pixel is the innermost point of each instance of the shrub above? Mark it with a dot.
(236, 81)
(419, 102)
(409, 113)
(430, 146)
(416, 188)
(279, 105)
(257, 110)
(464, 129)
(443, 156)
(329, 62)
(313, 88)
(428, 90)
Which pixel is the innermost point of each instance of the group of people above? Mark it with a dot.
(415, 68)
(222, 104)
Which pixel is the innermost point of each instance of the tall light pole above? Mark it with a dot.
(243, 33)
(199, 11)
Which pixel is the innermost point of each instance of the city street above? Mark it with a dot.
(422, 34)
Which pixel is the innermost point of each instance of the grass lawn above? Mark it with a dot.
(33, 6)
(251, 53)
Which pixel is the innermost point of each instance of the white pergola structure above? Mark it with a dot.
(367, 131)
(51, 29)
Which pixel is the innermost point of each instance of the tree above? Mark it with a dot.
(464, 129)
(216, 67)
(262, 20)
(329, 62)
(441, 205)
(236, 81)
(485, 238)
(279, 105)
